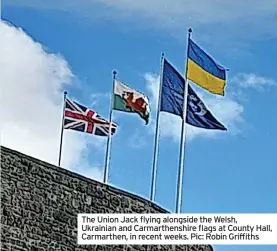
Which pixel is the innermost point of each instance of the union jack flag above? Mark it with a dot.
(79, 118)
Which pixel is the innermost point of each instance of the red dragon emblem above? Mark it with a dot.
(136, 105)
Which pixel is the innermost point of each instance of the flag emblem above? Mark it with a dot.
(80, 118)
(196, 105)
(127, 99)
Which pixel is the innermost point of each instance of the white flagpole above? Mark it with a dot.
(108, 149)
(0, 10)
(61, 140)
(183, 139)
(156, 143)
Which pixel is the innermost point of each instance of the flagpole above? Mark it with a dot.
(183, 138)
(108, 149)
(61, 140)
(156, 143)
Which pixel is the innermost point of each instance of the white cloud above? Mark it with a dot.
(250, 80)
(202, 11)
(32, 82)
(137, 140)
(100, 98)
(251, 17)
(91, 171)
(227, 111)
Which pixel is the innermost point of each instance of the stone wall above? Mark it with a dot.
(40, 203)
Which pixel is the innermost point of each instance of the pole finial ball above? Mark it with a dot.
(190, 30)
(114, 72)
(65, 92)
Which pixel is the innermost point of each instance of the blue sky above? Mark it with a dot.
(224, 172)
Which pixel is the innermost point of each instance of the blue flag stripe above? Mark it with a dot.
(205, 61)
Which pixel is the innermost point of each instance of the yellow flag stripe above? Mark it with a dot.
(205, 79)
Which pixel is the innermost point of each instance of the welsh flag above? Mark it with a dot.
(127, 99)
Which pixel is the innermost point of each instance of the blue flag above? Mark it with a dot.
(172, 99)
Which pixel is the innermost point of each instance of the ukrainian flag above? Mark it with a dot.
(204, 71)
